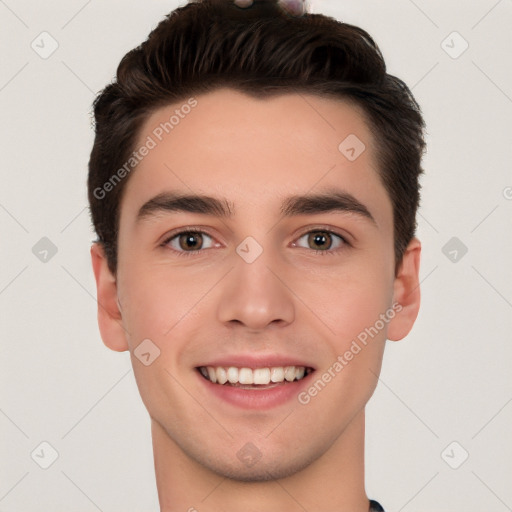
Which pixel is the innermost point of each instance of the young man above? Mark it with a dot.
(254, 186)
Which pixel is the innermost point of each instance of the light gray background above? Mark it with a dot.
(449, 380)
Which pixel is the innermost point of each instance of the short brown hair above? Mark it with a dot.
(261, 50)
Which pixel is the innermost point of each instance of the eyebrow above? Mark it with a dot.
(309, 204)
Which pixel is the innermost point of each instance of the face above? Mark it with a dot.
(256, 283)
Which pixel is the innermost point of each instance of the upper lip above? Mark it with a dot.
(257, 361)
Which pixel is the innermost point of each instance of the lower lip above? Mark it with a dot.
(264, 398)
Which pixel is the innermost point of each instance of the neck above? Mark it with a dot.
(335, 481)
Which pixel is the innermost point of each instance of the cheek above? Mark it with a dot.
(150, 304)
(347, 301)
(360, 313)
(162, 303)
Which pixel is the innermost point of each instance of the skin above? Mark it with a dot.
(290, 300)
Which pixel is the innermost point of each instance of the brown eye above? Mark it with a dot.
(189, 241)
(322, 241)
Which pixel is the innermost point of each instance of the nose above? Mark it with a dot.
(256, 294)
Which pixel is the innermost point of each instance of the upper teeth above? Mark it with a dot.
(263, 376)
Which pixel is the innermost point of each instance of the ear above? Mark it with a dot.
(110, 321)
(406, 292)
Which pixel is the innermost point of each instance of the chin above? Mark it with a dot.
(267, 468)
(260, 472)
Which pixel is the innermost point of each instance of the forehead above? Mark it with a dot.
(252, 151)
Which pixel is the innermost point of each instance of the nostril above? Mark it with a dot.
(243, 3)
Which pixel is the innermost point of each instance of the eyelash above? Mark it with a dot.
(192, 230)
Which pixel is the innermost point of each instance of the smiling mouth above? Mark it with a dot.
(254, 378)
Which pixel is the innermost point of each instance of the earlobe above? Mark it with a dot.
(110, 320)
(406, 292)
